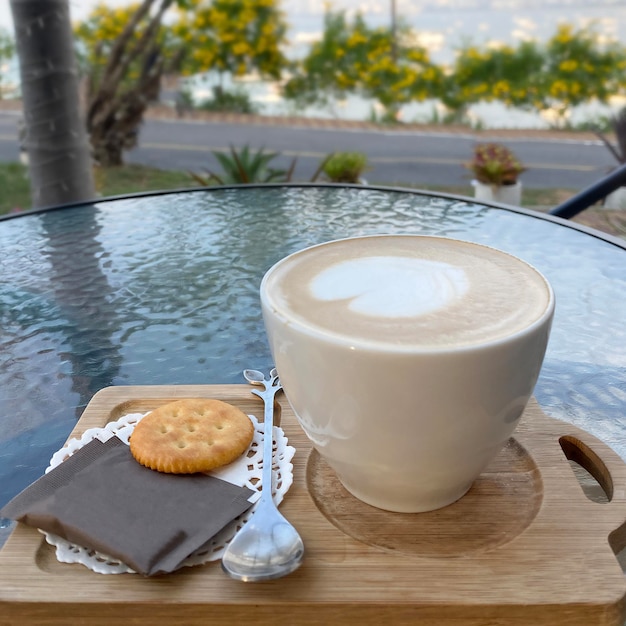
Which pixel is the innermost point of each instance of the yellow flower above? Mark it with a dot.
(246, 17)
(501, 89)
(240, 48)
(355, 39)
(217, 18)
(405, 82)
(473, 53)
(558, 89)
(564, 33)
(570, 65)
(342, 80)
(417, 56)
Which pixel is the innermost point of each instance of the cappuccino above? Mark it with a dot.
(408, 291)
(407, 360)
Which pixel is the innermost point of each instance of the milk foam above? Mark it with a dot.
(391, 286)
(406, 290)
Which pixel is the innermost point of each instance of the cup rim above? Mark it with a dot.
(314, 331)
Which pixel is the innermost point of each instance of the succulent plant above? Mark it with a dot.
(495, 164)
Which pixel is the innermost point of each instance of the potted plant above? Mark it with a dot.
(496, 173)
(616, 199)
(345, 167)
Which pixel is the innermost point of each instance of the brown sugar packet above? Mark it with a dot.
(101, 498)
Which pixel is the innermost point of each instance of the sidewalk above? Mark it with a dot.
(165, 112)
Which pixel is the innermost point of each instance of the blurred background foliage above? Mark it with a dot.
(7, 51)
(573, 67)
(127, 53)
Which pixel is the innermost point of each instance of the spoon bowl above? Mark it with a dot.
(267, 547)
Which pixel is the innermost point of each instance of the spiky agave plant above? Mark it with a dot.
(243, 166)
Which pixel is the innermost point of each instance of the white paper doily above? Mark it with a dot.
(244, 472)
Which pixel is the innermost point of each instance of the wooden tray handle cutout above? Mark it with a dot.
(580, 453)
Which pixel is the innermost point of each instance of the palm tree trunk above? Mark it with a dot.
(58, 151)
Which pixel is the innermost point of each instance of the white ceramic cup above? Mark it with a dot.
(407, 422)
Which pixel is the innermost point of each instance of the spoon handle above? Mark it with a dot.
(268, 396)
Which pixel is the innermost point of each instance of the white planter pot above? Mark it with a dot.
(506, 194)
(616, 199)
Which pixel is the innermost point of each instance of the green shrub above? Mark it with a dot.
(236, 101)
(345, 167)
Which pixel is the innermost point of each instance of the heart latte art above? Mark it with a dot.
(391, 286)
(409, 291)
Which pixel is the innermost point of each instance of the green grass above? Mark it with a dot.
(15, 193)
(531, 198)
(136, 178)
(14, 187)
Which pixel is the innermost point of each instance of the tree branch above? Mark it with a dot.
(104, 101)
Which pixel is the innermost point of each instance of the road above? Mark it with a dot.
(395, 157)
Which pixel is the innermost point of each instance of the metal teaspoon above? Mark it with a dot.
(268, 546)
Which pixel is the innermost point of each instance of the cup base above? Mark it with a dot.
(410, 503)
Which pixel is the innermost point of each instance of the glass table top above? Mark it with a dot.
(163, 289)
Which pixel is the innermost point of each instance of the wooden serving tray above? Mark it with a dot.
(524, 546)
